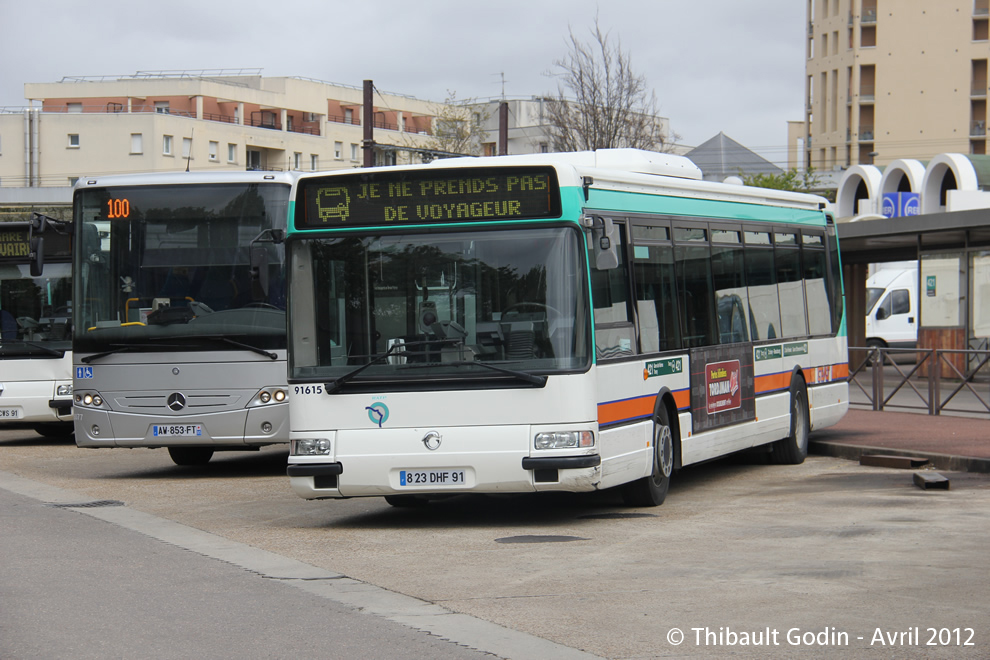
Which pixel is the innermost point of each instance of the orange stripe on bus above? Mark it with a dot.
(639, 407)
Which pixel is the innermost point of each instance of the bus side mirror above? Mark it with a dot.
(37, 256)
(606, 251)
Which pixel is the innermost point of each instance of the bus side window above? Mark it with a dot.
(614, 332)
(699, 324)
(761, 287)
(656, 298)
(790, 285)
(730, 285)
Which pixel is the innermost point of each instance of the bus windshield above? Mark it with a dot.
(35, 312)
(417, 306)
(179, 266)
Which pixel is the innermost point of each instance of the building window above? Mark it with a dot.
(338, 150)
(137, 143)
(73, 140)
(161, 107)
(314, 161)
(167, 145)
(354, 151)
(231, 153)
(348, 116)
(186, 147)
(74, 108)
(297, 161)
(214, 151)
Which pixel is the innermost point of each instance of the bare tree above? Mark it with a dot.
(458, 126)
(601, 102)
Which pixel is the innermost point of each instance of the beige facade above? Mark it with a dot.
(172, 121)
(894, 79)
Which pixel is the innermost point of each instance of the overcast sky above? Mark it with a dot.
(715, 65)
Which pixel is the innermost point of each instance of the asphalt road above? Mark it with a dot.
(827, 559)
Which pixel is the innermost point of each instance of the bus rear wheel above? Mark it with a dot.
(652, 490)
(793, 449)
(190, 455)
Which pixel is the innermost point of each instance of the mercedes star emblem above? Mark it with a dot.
(175, 401)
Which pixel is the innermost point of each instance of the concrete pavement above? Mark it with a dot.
(948, 442)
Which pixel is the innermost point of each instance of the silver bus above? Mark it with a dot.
(179, 283)
(35, 326)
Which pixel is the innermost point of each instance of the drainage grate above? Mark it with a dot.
(613, 516)
(85, 505)
(539, 539)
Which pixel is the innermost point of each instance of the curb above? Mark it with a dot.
(939, 461)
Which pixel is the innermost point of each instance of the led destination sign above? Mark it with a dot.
(428, 197)
(14, 243)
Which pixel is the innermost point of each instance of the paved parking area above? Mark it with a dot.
(849, 561)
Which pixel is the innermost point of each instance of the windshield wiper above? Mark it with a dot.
(249, 347)
(539, 381)
(121, 348)
(333, 386)
(40, 347)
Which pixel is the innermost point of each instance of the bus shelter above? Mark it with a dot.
(953, 254)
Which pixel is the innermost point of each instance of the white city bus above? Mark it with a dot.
(552, 322)
(35, 326)
(180, 312)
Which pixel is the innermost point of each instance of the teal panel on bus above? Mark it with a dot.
(630, 202)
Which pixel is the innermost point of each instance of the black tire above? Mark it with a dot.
(190, 455)
(793, 449)
(55, 429)
(406, 501)
(652, 490)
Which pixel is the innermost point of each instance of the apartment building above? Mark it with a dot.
(894, 79)
(200, 120)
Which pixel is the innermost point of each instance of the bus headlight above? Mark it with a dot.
(88, 399)
(310, 447)
(64, 390)
(269, 395)
(564, 440)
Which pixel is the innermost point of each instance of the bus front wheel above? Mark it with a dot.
(652, 490)
(793, 449)
(190, 455)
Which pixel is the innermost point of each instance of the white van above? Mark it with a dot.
(892, 308)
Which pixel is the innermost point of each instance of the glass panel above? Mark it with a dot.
(731, 298)
(757, 238)
(656, 298)
(816, 290)
(790, 285)
(764, 304)
(647, 233)
(445, 304)
(697, 301)
(35, 309)
(175, 263)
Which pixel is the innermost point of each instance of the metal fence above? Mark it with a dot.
(937, 380)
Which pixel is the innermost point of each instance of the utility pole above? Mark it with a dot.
(503, 128)
(368, 144)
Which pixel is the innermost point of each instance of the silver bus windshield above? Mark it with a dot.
(35, 312)
(179, 266)
(444, 306)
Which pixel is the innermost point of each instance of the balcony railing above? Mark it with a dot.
(978, 128)
(979, 90)
(865, 133)
(866, 93)
(869, 16)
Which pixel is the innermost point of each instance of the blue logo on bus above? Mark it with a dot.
(377, 413)
(84, 372)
